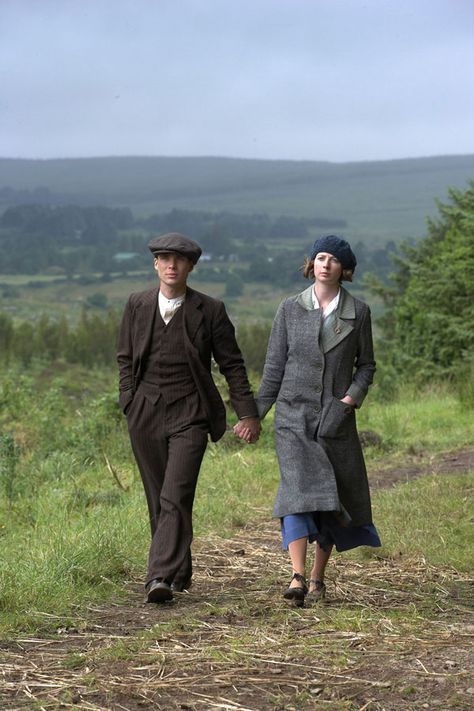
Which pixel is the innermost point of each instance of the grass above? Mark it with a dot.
(242, 646)
(73, 546)
(420, 421)
(37, 295)
(29, 300)
(72, 533)
(430, 517)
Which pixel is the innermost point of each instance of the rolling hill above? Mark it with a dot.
(379, 200)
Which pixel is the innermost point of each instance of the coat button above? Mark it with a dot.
(349, 409)
(337, 330)
(317, 388)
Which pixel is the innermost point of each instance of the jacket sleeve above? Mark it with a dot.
(364, 362)
(228, 357)
(125, 358)
(275, 363)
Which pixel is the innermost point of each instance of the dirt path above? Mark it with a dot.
(460, 462)
(394, 635)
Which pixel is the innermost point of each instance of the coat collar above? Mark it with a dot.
(337, 326)
(345, 307)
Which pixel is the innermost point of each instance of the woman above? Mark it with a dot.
(318, 368)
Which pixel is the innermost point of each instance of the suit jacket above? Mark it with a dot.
(208, 333)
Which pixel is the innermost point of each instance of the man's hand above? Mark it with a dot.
(248, 429)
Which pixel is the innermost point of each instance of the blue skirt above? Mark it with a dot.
(323, 527)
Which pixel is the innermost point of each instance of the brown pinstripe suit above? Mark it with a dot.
(169, 437)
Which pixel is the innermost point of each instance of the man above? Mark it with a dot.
(167, 338)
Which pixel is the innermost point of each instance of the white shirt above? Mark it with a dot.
(332, 306)
(168, 307)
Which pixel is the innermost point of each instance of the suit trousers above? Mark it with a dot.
(169, 441)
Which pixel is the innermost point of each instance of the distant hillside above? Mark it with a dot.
(379, 201)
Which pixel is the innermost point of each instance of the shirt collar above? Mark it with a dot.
(332, 306)
(167, 303)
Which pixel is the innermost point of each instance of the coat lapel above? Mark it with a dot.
(337, 326)
(145, 314)
(193, 316)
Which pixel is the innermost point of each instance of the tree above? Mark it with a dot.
(98, 299)
(234, 286)
(428, 327)
(24, 343)
(6, 336)
(253, 341)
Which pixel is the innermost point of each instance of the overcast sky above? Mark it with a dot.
(336, 80)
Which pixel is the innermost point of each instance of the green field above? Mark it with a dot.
(27, 298)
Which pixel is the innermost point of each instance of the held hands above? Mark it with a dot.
(248, 429)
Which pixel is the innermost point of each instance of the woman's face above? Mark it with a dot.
(327, 268)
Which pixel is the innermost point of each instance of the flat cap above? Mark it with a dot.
(175, 242)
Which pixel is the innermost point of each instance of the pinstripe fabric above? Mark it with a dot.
(168, 435)
(167, 370)
(169, 441)
(208, 334)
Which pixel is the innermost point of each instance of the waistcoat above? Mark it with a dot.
(167, 373)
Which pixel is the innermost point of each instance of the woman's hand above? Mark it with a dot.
(349, 400)
(248, 429)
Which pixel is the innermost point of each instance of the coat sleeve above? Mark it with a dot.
(275, 363)
(364, 362)
(125, 358)
(228, 357)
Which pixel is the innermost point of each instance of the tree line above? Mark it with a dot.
(71, 240)
(427, 328)
(92, 341)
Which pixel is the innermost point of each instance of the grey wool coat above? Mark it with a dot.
(310, 365)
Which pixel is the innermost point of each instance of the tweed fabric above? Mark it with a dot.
(321, 463)
(177, 243)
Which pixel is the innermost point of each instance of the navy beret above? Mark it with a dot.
(175, 242)
(338, 247)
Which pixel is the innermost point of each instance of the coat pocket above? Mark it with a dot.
(337, 416)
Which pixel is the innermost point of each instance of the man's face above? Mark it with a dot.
(173, 270)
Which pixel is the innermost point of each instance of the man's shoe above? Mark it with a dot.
(181, 587)
(158, 590)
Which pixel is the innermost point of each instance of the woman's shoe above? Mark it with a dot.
(318, 592)
(298, 593)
